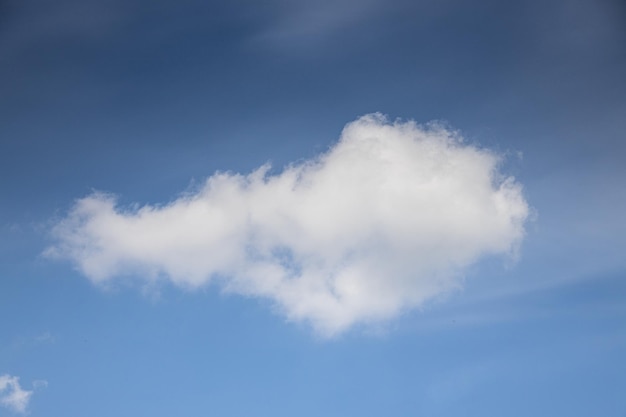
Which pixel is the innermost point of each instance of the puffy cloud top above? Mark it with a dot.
(386, 219)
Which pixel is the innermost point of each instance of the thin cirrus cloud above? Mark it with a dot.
(297, 22)
(12, 395)
(385, 220)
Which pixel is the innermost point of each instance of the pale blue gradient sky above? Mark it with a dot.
(144, 99)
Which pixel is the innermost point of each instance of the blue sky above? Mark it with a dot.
(312, 208)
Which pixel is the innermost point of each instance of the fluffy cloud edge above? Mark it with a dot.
(12, 395)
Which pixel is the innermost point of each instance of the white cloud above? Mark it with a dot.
(385, 220)
(12, 395)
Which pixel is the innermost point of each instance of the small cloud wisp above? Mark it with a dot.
(385, 220)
